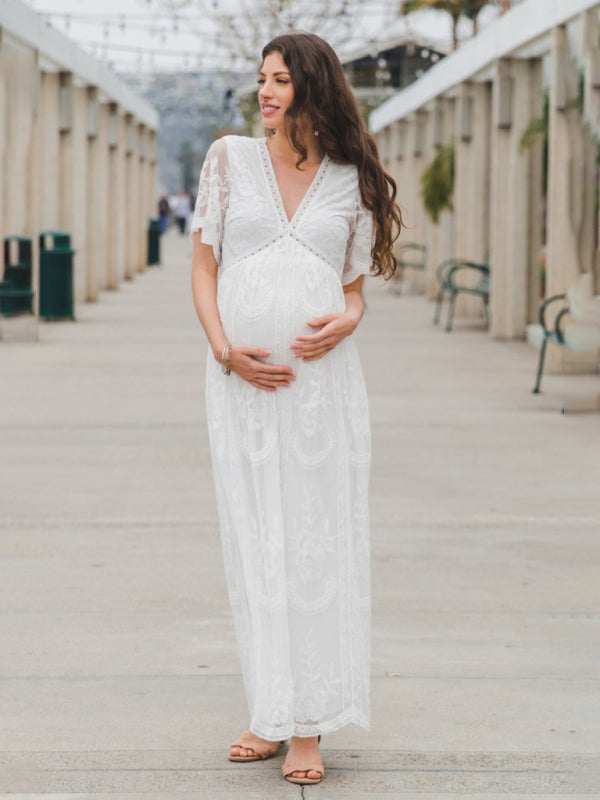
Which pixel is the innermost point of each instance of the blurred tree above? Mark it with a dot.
(456, 9)
(472, 10)
(244, 27)
(437, 183)
(453, 7)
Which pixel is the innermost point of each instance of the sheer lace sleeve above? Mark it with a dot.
(360, 242)
(213, 198)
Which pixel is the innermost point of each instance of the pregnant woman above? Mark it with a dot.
(284, 229)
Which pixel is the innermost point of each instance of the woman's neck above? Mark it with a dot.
(281, 147)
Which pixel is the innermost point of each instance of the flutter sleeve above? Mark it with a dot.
(360, 243)
(212, 198)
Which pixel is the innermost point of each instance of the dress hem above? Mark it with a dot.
(305, 731)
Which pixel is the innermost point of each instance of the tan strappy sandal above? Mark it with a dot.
(289, 768)
(261, 749)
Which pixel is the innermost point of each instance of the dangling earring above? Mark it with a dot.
(316, 132)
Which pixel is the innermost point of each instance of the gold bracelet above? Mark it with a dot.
(226, 359)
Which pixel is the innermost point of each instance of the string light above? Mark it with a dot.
(338, 19)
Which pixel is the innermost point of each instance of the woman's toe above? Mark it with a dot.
(241, 752)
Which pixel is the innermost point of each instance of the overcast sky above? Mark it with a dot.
(132, 36)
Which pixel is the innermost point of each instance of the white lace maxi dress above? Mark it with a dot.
(291, 467)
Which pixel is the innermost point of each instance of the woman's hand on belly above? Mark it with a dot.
(335, 328)
(245, 363)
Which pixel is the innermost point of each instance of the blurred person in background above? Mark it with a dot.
(182, 210)
(164, 211)
(285, 228)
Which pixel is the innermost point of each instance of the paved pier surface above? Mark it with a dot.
(118, 671)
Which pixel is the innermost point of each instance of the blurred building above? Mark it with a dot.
(78, 150)
(193, 108)
(519, 106)
(377, 70)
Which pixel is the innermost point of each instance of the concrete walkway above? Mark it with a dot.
(118, 671)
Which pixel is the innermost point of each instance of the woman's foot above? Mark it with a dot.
(303, 763)
(249, 747)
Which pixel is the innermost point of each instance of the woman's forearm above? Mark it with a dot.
(355, 307)
(204, 290)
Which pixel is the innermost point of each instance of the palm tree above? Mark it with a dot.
(472, 10)
(456, 9)
(453, 7)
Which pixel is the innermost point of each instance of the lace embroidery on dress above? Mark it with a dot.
(291, 467)
(212, 200)
(360, 243)
(274, 187)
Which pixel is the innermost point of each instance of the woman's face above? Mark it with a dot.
(276, 92)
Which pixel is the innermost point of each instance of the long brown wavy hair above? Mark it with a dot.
(322, 93)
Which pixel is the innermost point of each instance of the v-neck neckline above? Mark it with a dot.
(276, 191)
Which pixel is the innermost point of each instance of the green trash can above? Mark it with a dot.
(56, 275)
(153, 241)
(17, 276)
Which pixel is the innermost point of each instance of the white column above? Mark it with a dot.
(152, 174)
(97, 212)
(131, 194)
(516, 221)
(3, 117)
(440, 133)
(392, 165)
(399, 172)
(74, 171)
(20, 69)
(571, 192)
(383, 139)
(116, 197)
(472, 182)
(144, 191)
(34, 188)
(19, 97)
(49, 144)
(413, 211)
(590, 46)
(409, 193)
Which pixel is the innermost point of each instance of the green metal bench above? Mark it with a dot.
(442, 273)
(554, 335)
(447, 273)
(14, 300)
(9, 291)
(16, 294)
(410, 256)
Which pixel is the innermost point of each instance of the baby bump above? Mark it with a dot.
(267, 301)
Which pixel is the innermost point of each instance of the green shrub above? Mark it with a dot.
(437, 183)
